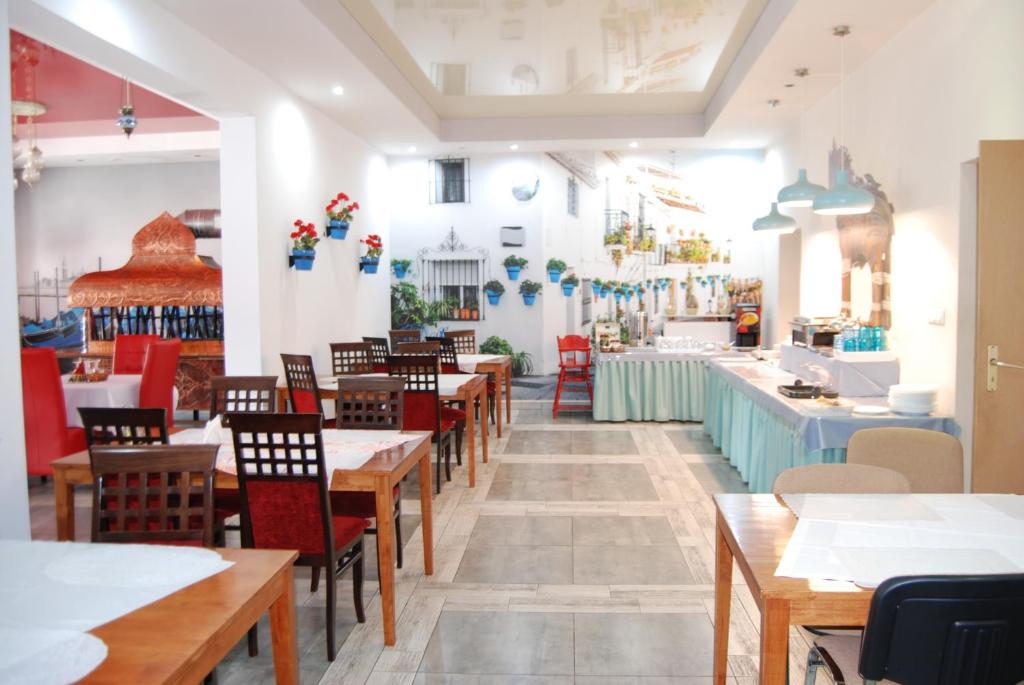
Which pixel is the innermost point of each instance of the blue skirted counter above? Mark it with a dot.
(763, 433)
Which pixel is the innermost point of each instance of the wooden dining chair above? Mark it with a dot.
(124, 425)
(932, 461)
(303, 389)
(397, 335)
(351, 359)
(840, 479)
(573, 371)
(130, 352)
(156, 388)
(47, 434)
(244, 394)
(158, 494)
(422, 405)
(283, 481)
(450, 411)
(450, 364)
(370, 404)
(465, 340)
(418, 347)
(379, 353)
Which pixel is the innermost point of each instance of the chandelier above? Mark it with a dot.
(26, 154)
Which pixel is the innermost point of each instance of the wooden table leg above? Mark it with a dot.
(64, 499)
(427, 514)
(499, 381)
(386, 554)
(484, 428)
(723, 604)
(470, 401)
(774, 641)
(508, 394)
(283, 632)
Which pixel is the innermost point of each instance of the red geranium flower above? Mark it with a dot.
(355, 205)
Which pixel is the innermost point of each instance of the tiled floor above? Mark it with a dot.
(584, 555)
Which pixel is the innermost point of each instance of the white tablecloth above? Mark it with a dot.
(448, 384)
(468, 362)
(118, 390)
(52, 592)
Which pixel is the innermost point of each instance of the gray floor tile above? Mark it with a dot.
(691, 441)
(718, 478)
(610, 472)
(501, 643)
(643, 644)
(630, 565)
(518, 530)
(539, 442)
(622, 530)
(457, 679)
(594, 490)
(533, 472)
(531, 490)
(640, 680)
(603, 442)
(521, 564)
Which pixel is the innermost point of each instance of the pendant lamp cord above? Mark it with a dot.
(842, 100)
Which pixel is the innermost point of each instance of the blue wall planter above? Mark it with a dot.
(596, 288)
(604, 293)
(618, 297)
(567, 289)
(368, 265)
(629, 295)
(529, 299)
(554, 276)
(492, 297)
(302, 260)
(337, 229)
(399, 271)
(513, 272)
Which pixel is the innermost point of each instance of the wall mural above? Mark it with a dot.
(865, 240)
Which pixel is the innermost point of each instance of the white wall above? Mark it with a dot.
(77, 215)
(915, 112)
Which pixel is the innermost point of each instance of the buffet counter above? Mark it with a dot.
(763, 433)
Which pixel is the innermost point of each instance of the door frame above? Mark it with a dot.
(967, 311)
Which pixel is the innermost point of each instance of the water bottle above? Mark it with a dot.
(864, 339)
(850, 337)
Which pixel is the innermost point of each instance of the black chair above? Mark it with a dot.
(933, 630)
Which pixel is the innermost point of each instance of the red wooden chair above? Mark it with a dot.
(282, 477)
(158, 373)
(464, 342)
(47, 435)
(351, 359)
(130, 352)
(573, 371)
(456, 413)
(303, 390)
(423, 405)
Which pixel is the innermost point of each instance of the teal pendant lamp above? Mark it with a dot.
(842, 198)
(801, 193)
(775, 222)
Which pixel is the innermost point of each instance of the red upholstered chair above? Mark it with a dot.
(369, 404)
(379, 353)
(422, 411)
(573, 370)
(158, 373)
(464, 342)
(450, 411)
(47, 435)
(303, 390)
(130, 352)
(282, 478)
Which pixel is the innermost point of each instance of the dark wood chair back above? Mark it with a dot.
(349, 359)
(243, 394)
(422, 401)
(370, 403)
(303, 390)
(379, 353)
(161, 494)
(124, 425)
(465, 341)
(403, 335)
(282, 481)
(449, 355)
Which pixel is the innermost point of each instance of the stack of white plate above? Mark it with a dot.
(916, 400)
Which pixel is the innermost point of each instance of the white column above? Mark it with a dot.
(14, 521)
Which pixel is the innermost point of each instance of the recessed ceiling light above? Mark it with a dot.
(337, 90)
(634, 145)
(513, 146)
(412, 148)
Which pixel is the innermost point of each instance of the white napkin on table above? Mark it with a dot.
(214, 432)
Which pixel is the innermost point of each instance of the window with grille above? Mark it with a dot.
(458, 282)
(573, 198)
(451, 181)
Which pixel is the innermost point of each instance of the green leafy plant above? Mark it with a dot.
(598, 282)
(556, 265)
(529, 287)
(494, 287)
(402, 264)
(571, 279)
(514, 261)
(409, 310)
(615, 238)
(522, 362)
(619, 290)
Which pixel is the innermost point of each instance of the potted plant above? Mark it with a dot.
(522, 363)
(555, 267)
(304, 240)
(409, 310)
(595, 285)
(529, 290)
(569, 284)
(371, 260)
(628, 294)
(339, 215)
(513, 265)
(493, 290)
(400, 267)
(619, 292)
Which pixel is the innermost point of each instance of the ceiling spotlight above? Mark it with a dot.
(801, 72)
(337, 90)
(773, 103)
(513, 146)
(411, 149)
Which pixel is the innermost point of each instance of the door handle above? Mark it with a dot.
(994, 365)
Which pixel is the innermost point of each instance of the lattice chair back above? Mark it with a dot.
(370, 403)
(379, 353)
(449, 355)
(465, 341)
(242, 394)
(124, 425)
(398, 335)
(282, 481)
(160, 494)
(302, 386)
(351, 359)
(422, 402)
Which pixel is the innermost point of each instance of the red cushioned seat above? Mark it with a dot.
(452, 414)
(358, 504)
(130, 352)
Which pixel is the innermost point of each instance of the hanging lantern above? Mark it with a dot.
(127, 121)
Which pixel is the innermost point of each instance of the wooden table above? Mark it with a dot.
(182, 637)
(501, 367)
(753, 530)
(378, 475)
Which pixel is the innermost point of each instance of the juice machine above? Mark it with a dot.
(747, 317)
